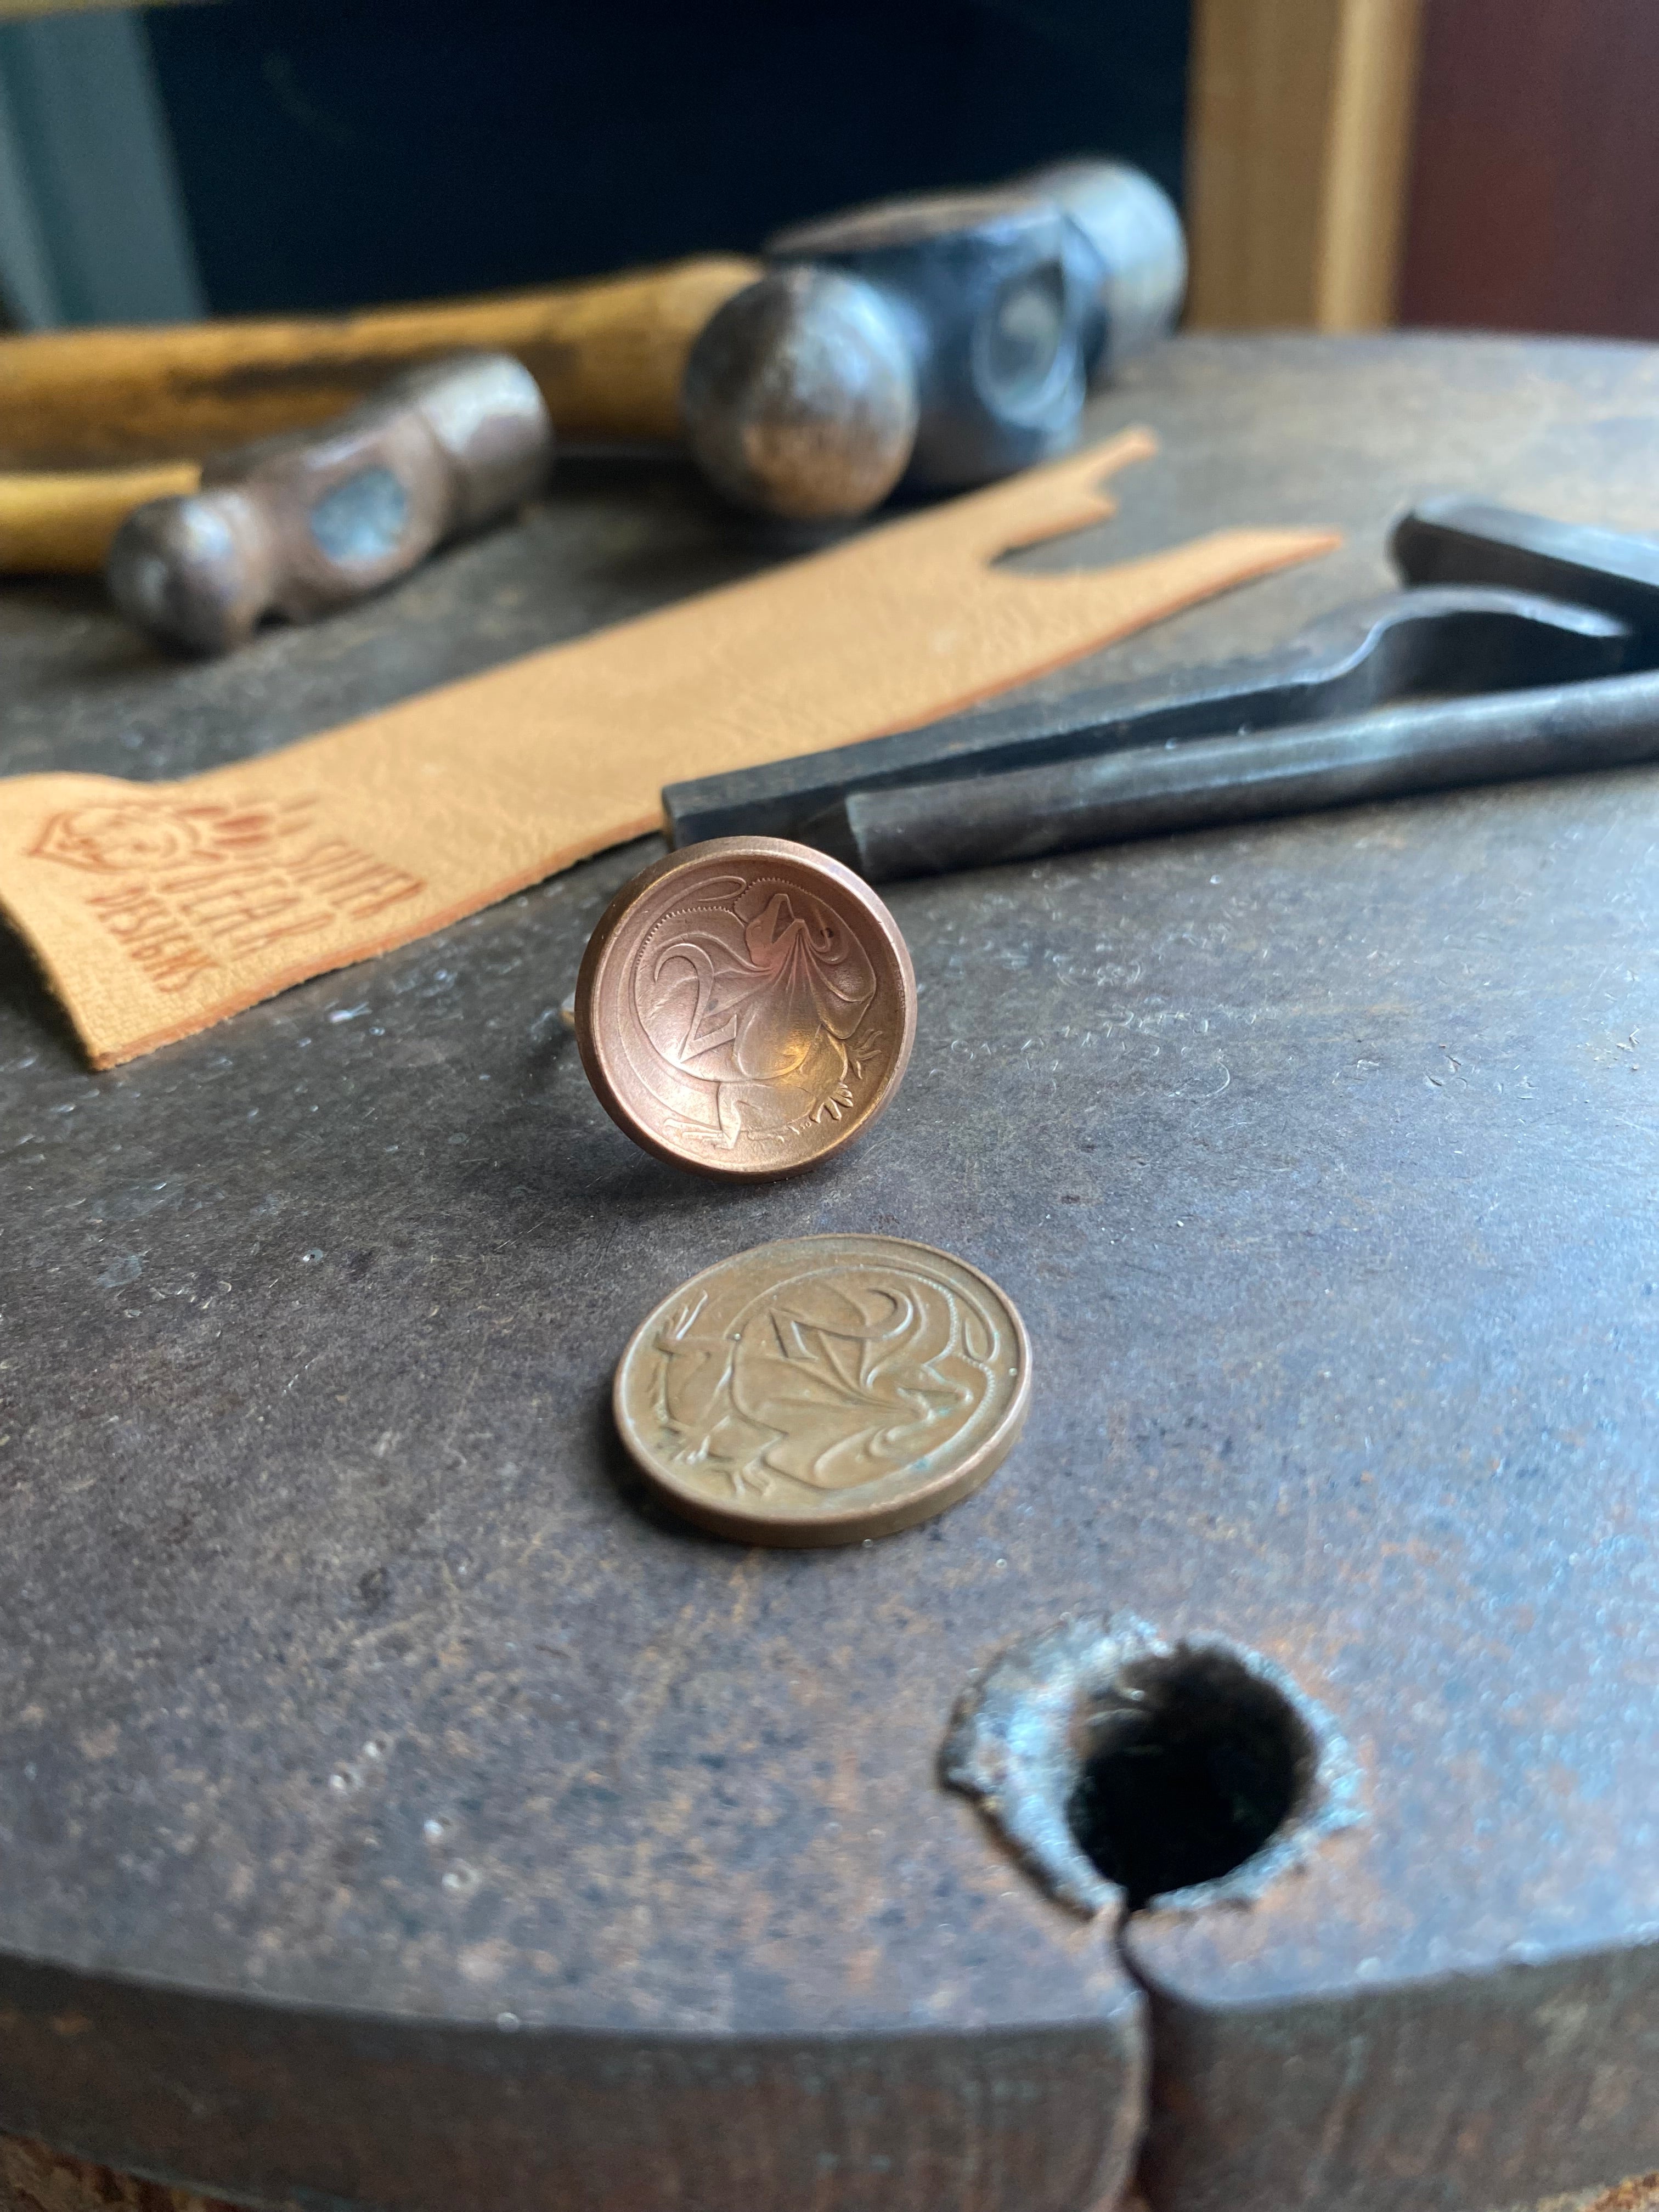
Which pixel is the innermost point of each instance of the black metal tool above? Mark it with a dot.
(1465, 541)
(916, 829)
(1125, 760)
(1457, 640)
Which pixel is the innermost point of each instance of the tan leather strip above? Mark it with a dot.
(156, 909)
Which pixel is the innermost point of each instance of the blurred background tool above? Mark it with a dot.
(1133, 253)
(977, 320)
(1355, 709)
(1463, 638)
(985, 291)
(800, 397)
(938, 340)
(313, 520)
(964, 357)
(1122, 256)
(608, 357)
(60, 522)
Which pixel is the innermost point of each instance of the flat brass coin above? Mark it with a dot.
(745, 1007)
(823, 1390)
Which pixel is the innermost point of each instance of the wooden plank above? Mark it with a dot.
(1258, 113)
(1368, 164)
(1300, 119)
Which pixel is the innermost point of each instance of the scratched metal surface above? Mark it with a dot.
(395, 1806)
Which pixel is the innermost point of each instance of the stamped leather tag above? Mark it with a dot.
(156, 909)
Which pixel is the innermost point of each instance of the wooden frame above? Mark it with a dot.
(1300, 128)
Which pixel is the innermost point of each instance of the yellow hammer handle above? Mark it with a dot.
(62, 524)
(608, 357)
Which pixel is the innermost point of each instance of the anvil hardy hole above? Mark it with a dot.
(1192, 1764)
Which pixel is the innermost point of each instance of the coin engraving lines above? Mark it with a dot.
(758, 991)
(835, 1378)
(745, 1007)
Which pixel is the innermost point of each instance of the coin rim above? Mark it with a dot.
(592, 974)
(851, 1525)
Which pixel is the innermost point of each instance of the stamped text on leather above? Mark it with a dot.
(185, 888)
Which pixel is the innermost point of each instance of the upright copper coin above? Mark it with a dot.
(745, 1007)
(824, 1388)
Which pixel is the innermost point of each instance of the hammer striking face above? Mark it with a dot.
(941, 340)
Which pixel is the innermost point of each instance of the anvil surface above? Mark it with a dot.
(397, 1808)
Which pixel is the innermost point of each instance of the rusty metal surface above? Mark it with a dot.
(1269, 1769)
(34, 2178)
(359, 1707)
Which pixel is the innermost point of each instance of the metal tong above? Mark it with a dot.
(1547, 632)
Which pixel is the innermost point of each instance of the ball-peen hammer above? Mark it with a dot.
(944, 344)
(301, 524)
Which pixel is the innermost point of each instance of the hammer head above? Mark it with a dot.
(299, 523)
(799, 396)
(197, 571)
(987, 291)
(1128, 251)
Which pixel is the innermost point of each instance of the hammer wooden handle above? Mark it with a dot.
(62, 524)
(608, 357)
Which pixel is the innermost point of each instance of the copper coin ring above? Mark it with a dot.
(745, 1007)
(824, 1390)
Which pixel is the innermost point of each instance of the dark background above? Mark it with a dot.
(333, 153)
(339, 152)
